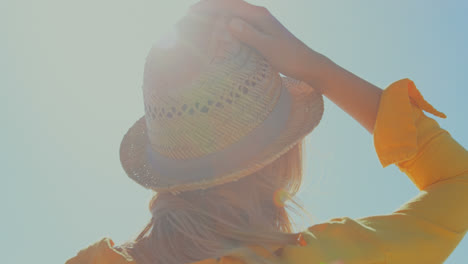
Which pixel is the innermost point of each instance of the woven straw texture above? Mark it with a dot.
(235, 116)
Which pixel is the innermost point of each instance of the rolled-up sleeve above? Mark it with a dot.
(427, 228)
(435, 163)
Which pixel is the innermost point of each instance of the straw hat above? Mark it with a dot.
(215, 111)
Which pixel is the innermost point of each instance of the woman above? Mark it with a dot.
(225, 199)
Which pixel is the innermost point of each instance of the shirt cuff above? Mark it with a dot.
(397, 129)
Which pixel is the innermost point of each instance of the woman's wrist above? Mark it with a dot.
(320, 72)
(357, 97)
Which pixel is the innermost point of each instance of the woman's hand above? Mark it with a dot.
(255, 26)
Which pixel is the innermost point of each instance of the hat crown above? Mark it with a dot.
(205, 92)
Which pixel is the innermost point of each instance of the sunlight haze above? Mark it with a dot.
(71, 75)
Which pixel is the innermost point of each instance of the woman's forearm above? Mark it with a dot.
(256, 27)
(357, 97)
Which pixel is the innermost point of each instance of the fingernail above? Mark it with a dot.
(195, 8)
(199, 6)
(237, 25)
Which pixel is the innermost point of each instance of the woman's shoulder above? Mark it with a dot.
(339, 240)
(102, 252)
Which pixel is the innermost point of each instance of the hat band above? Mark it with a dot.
(226, 160)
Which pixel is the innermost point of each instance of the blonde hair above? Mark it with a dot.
(201, 224)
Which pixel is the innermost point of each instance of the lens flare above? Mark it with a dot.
(280, 197)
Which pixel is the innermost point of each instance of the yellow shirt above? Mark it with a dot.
(424, 230)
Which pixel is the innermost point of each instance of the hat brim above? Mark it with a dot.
(293, 117)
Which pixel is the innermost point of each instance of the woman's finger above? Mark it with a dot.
(249, 35)
(237, 8)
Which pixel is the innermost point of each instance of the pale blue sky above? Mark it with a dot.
(70, 78)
